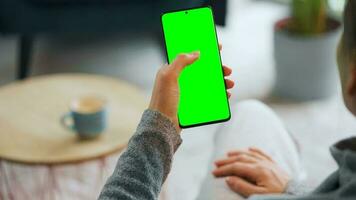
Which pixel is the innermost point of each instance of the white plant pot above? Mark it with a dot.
(305, 66)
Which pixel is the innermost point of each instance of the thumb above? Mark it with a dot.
(243, 187)
(184, 60)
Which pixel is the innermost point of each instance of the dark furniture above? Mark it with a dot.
(28, 18)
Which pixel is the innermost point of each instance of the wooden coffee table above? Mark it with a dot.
(40, 159)
(30, 112)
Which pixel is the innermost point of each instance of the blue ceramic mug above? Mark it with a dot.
(87, 117)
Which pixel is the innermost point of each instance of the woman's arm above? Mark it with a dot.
(143, 167)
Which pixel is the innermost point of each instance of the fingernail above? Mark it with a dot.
(228, 179)
(195, 53)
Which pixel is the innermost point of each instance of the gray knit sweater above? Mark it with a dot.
(144, 166)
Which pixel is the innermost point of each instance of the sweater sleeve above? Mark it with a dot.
(296, 187)
(145, 164)
(296, 190)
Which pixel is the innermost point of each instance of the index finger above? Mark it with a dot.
(259, 151)
(235, 169)
(233, 159)
(246, 152)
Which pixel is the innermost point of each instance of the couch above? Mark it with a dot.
(29, 18)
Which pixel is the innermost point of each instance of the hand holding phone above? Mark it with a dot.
(165, 95)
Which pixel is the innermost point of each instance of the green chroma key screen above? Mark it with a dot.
(203, 98)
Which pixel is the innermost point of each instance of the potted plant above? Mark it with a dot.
(304, 50)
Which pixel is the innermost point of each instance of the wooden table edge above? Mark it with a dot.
(64, 161)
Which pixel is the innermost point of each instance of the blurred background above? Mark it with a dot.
(289, 65)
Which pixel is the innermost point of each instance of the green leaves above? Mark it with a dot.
(309, 17)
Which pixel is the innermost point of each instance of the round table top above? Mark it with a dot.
(30, 113)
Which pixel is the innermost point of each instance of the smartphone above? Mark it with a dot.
(203, 97)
